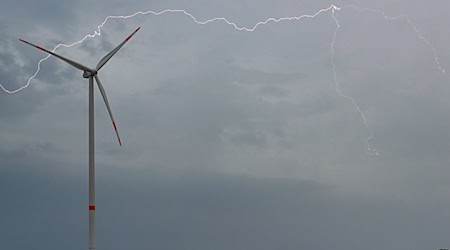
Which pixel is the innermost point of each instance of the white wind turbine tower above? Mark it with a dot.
(91, 74)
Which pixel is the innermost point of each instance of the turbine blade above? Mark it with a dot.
(106, 58)
(75, 64)
(102, 91)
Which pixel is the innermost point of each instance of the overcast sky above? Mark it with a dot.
(232, 139)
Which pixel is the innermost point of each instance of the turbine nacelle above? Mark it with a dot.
(87, 74)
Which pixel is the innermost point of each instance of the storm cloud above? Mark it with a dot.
(232, 139)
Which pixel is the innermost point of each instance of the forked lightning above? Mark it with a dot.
(332, 9)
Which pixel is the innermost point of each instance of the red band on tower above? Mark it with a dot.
(92, 208)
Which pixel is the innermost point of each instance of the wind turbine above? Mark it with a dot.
(91, 74)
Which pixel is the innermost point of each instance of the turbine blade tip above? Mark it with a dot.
(24, 41)
(130, 36)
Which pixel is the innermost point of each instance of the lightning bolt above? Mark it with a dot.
(333, 9)
(405, 18)
(415, 28)
(370, 150)
(216, 19)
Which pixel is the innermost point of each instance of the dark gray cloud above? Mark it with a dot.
(232, 140)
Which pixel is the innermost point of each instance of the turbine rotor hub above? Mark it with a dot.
(87, 74)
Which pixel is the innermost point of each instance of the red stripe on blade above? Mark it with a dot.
(91, 208)
(129, 37)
